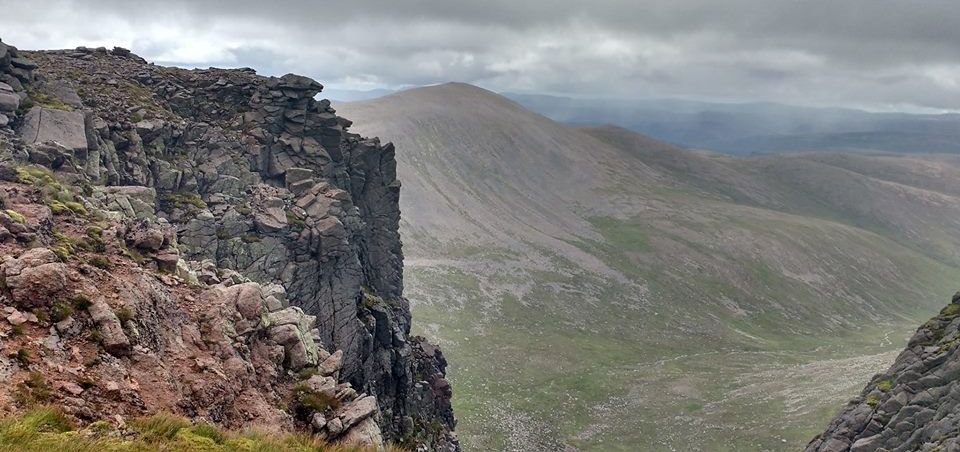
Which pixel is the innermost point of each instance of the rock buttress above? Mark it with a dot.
(914, 405)
(254, 175)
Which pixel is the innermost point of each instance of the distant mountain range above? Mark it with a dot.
(758, 127)
(598, 288)
(352, 95)
(741, 128)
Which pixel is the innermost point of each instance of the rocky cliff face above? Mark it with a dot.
(209, 179)
(911, 406)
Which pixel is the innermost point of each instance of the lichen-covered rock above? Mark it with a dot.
(914, 404)
(65, 128)
(113, 338)
(127, 202)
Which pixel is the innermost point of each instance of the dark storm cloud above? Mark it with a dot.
(875, 53)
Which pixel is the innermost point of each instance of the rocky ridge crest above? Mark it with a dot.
(913, 405)
(250, 220)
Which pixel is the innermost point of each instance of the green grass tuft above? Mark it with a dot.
(46, 100)
(124, 314)
(295, 220)
(23, 357)
(101, 262)
(159, 427)
(885, 384)
(81, 302)
(310, 401)
(76, 208)
(951, 310)
(208, 431)
(60, 311)
(16, 216)
(32, 391)
(185, 200)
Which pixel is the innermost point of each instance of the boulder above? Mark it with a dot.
(9, 101)
(334, 426)
(128, 201)
(270, 216)
(146, 235)
(294, 175)
(247, 299)
(29, 258)
(48, 154)
(291, 328)
(16, 318)
(5, 56)
(300, 83)
(167, 261)
(63, 127)
(35, 279)
(357, 411)
(24, 75)
(320, 383)
(292, 315)
(332, 364)
(318, 422)
(12, 81)
(64, 92)
(366, 433)
(23, 63)
(114, 340)
(299, 356)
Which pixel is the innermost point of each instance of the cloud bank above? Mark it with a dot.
(881, 54)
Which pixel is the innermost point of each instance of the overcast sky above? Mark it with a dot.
(878, 54)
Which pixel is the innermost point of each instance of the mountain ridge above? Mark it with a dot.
(714, 259)
(748, 128)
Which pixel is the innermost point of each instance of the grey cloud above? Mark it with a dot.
(852, 52)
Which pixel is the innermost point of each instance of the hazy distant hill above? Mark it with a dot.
(758, 127)
(352, 95)
(599, 288)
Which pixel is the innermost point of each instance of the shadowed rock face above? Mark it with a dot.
(911, 406)
(252, 174)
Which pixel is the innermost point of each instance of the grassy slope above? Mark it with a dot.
(653, 297)
(588, 361)
(45, 429)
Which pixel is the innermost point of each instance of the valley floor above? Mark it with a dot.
(523, 390)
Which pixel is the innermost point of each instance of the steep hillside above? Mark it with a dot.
(212, 243)
(620, 292)
(509, 192)
(910, 198)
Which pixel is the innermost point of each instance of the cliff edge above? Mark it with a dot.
(236, 246)
(911, 406)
